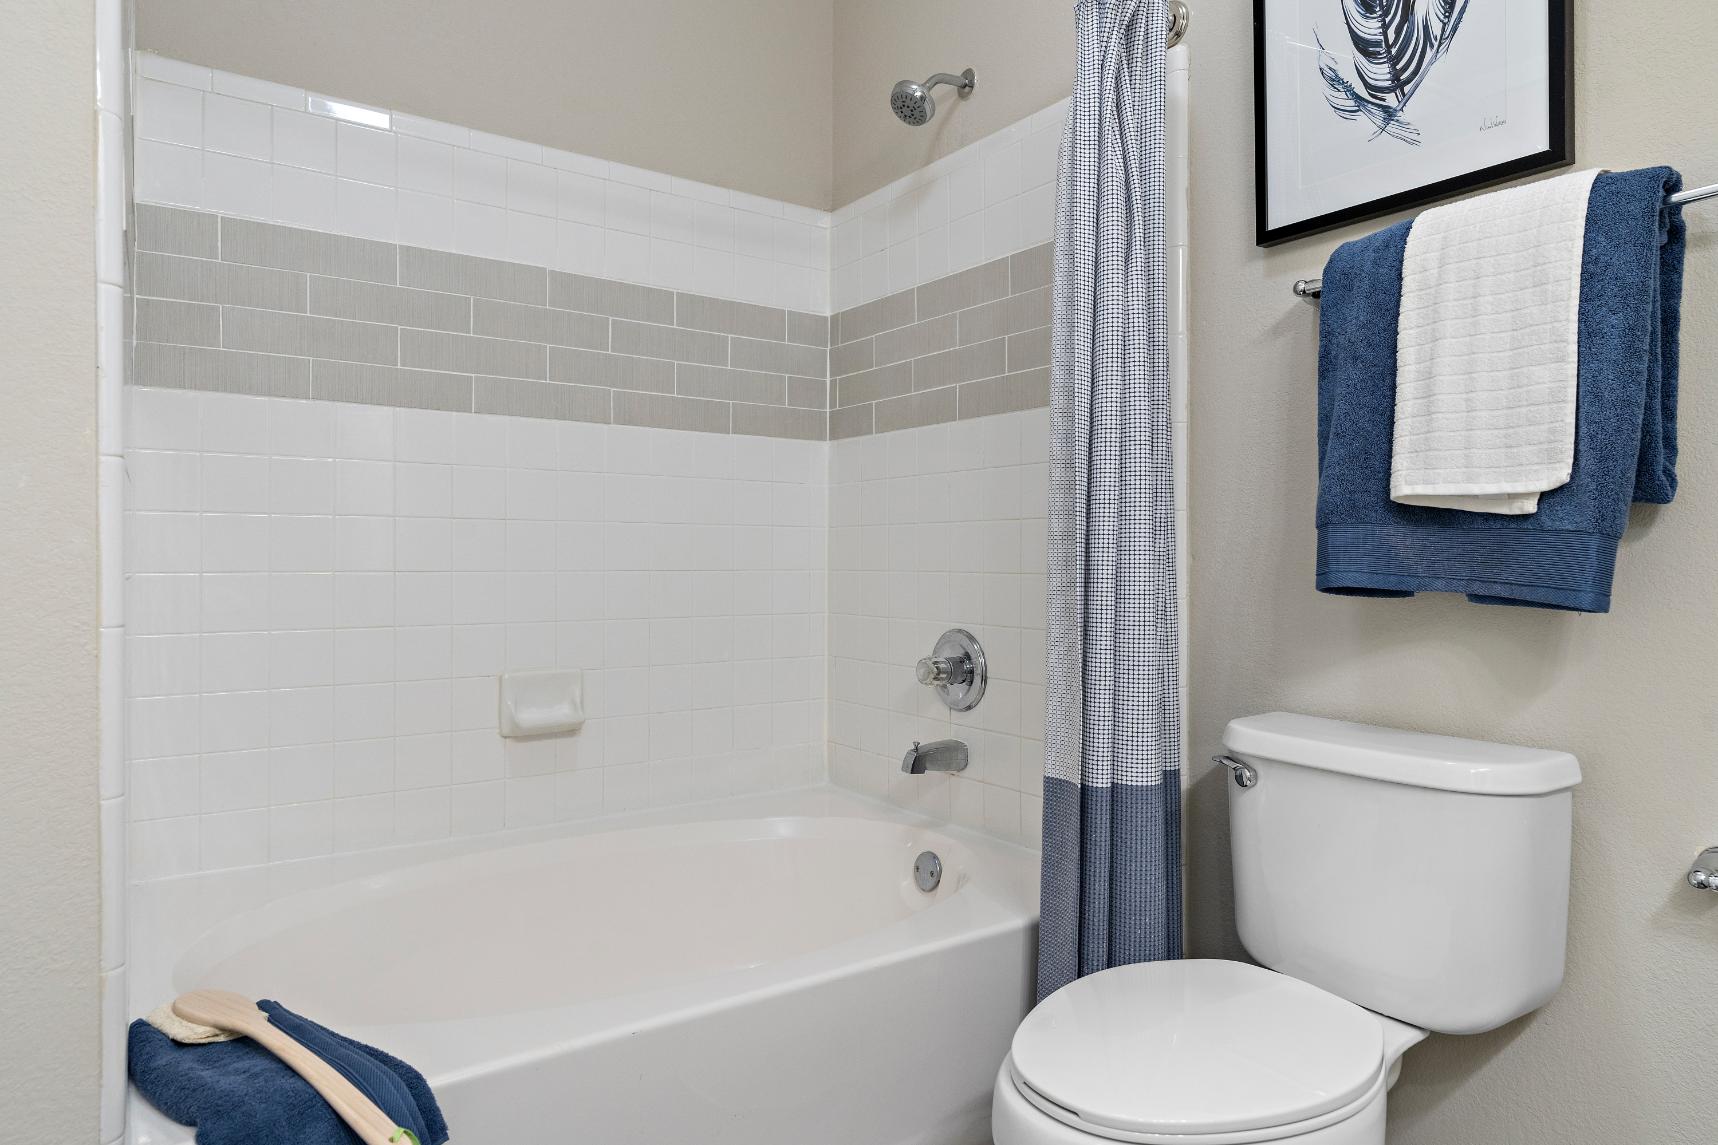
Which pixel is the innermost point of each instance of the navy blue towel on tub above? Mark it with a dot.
(238, 1093)
(1563, 555)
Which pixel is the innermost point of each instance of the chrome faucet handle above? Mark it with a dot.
(1703, 875)
(956, 669)
(936, 670)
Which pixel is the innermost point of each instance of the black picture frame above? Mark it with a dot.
(1560, 31)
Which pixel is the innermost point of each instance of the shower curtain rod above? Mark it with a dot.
(1313, 287)
(1178, 16)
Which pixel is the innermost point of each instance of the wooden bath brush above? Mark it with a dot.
(225, 1010)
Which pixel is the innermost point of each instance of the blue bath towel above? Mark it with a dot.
(237, 1093)
(1563, 555)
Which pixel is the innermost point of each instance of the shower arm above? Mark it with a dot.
(963, 83)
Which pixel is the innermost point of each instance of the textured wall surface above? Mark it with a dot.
(1630, 693)
(732, 93)
(1022, 51)
(48, 715)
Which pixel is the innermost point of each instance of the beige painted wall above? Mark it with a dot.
(731, 92)
(1632, 693)
(49, 909)
(1022, 50)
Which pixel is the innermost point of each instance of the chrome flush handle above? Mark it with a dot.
(1244, 774)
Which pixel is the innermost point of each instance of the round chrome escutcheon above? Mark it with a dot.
(927, 871)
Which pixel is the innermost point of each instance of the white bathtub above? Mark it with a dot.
(769, 976)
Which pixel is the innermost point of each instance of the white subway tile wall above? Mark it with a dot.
(230, 144)
(931, 528)
(981, 203)
(321, 595)
(233, 145)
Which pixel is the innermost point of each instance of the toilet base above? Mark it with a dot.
(1014, 1120)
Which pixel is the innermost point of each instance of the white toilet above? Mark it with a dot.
(1395, 883)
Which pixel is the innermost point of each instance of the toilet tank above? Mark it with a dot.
(1420, 876)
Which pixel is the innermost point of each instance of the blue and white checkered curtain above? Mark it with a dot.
(1111, 890)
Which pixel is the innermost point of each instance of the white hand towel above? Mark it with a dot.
(1486, 349)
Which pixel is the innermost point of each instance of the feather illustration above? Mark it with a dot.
(1346, 101)
(1395, 46)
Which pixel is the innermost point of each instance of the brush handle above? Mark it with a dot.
(228, 1011)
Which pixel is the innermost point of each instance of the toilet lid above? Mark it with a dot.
(1200, 1046)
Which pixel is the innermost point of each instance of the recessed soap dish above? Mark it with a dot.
(542, 702)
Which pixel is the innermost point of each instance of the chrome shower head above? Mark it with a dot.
(912, 103)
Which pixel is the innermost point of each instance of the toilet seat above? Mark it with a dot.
(1021, 1117)
(1201, 1050)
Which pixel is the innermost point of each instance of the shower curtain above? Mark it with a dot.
(1111, 885)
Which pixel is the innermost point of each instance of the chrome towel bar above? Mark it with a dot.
(1313, 287)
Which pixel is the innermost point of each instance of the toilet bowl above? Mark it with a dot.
(1201, 1052)
(1393, 883)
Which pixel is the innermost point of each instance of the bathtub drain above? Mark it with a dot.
(927, 871)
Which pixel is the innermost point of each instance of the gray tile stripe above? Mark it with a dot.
(206, 280)
(614, 299)
(611, 371)
(854, 421)
(171, 230)
(469, 354)
(1029, 350)
(914, 410)
(390, 386)
(774, 421)
(247, 307)
(394, 305)
(730, 385)
(780, 358)
(543, 399)
(930, 336)
(289, 248)
(808, 393)
(1005, 316)
(722, 316)
(984, 283)
(181, 323)
(951, 367)
(229, 371)
(852, 357)
(807, 329)
(647, 340)
(883, 382)
(468, 274)
(668, 411)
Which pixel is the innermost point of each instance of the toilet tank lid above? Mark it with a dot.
(1395, 756)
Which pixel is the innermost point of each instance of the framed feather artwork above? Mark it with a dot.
(1364, 107)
